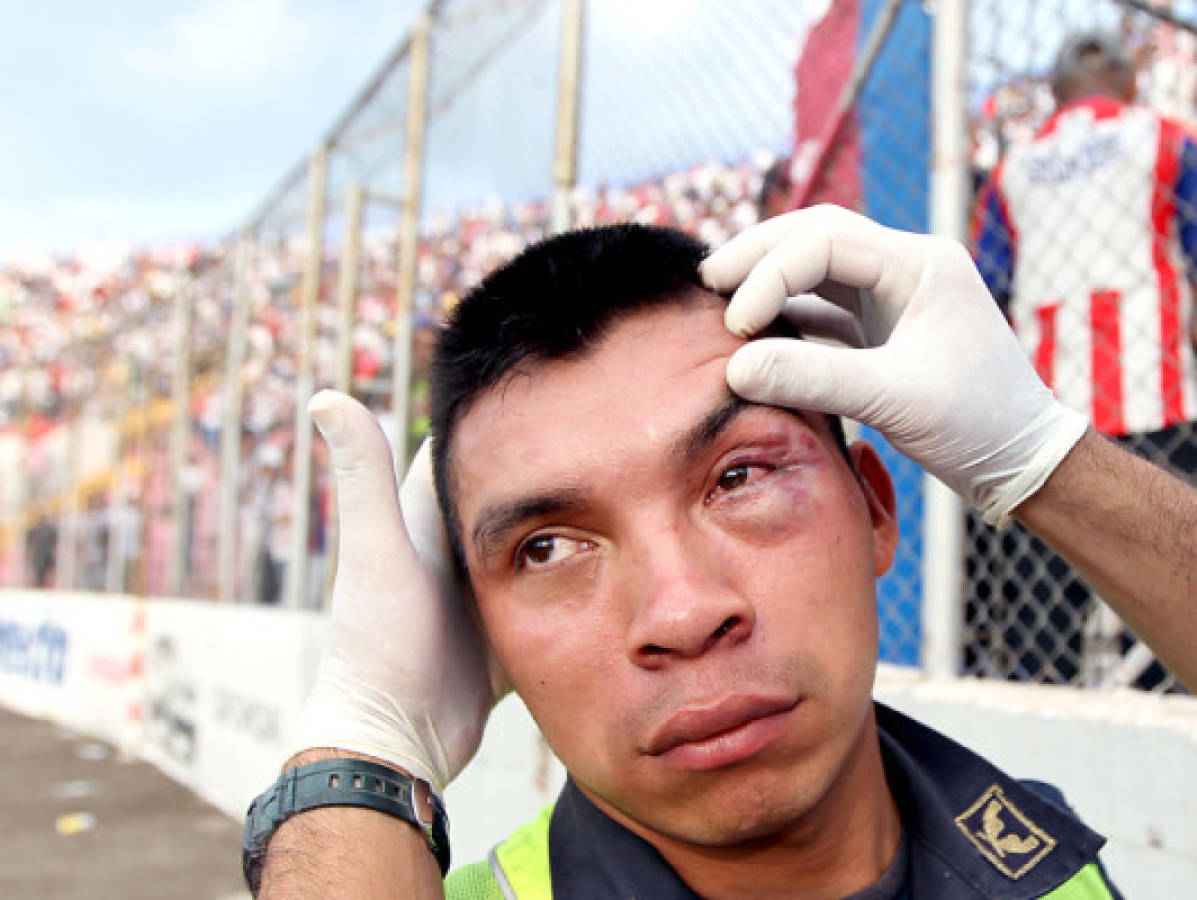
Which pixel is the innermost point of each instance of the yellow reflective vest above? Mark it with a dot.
(518, 869)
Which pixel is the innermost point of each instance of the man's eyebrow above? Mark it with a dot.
(696, 440)
(495, 522)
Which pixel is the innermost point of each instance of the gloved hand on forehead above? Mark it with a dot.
(932, 364)
(406, 675)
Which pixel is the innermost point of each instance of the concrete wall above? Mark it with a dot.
(210, 694)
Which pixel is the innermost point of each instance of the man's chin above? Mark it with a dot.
(746, 811)
(779, 795)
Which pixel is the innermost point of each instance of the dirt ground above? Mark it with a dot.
(79, 822)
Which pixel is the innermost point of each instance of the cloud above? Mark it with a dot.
(225, 41)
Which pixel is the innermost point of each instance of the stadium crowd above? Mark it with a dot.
(95, 342)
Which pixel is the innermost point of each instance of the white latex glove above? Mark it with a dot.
(406, 675)
(938, 371)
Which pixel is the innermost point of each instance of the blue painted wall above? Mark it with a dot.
(894, 119)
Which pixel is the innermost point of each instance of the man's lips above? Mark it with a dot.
(696, 725)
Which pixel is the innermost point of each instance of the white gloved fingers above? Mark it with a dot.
(405, 675)
(821, 243)
(370, 524)
(797, 252)
(816, 317)
(846, 298)
(422, 513)
(804, 375)
(726, 267)
(942, 375)
(426, 527)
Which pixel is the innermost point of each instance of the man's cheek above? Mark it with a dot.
(527, 643)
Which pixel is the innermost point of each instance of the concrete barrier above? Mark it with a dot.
(210, 695)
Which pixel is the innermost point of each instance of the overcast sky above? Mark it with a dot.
(138, 121)
(132, 121)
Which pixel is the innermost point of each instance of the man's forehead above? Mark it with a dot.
(602, 388)
(671, 333)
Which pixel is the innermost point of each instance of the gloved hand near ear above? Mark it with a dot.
(935, 368)
(406, 675)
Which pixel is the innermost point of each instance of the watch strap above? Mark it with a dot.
(342, 782)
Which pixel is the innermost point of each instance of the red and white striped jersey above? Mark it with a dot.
(1087, 236)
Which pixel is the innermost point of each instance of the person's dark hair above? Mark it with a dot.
(1092, 62)
(776, 179)
(556, 299)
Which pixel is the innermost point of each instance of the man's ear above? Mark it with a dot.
(878, 489)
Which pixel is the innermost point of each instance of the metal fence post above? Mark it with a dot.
(180, 427)
(301, 484)
(118, 500)
(348, 279)
(145, 452)
(22, 562)
(15, 528)
(230, 426)
(569, 83)
(943, 559)
(67, 551)
(409, 234)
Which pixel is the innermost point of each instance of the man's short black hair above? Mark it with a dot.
(557, 299)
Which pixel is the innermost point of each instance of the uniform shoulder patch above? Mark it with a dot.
(1004, 835)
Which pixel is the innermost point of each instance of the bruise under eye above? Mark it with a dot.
(766, 450)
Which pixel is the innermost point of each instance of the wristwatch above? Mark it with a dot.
(341, 782)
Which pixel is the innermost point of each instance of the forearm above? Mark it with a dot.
(1131, 530)
(347, 852)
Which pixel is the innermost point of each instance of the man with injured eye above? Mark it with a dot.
(646, 521)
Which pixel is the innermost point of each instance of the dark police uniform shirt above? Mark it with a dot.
(968, 831)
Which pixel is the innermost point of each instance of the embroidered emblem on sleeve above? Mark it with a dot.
(1003, 834)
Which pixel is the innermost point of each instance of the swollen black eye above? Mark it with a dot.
(735, 477)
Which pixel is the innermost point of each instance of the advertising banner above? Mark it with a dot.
(223, 687)
(72, 659)
(210, 694)
(35, 653)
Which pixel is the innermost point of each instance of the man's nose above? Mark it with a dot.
(686, 601)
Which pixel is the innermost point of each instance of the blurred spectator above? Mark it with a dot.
(1087, 236)
(1166, 60)
(97, 332)
(777, 190)
(42, 545)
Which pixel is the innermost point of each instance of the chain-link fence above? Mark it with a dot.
(1085, 227)
(494, 122)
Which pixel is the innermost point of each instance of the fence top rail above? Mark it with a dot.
(1161, 13)
(360, 101)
